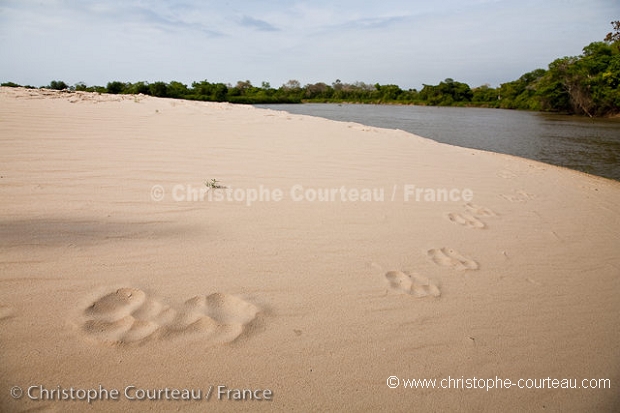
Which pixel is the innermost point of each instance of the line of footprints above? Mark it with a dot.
(407, 282)
(129, 316)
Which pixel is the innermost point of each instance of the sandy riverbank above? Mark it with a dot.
(118, 269)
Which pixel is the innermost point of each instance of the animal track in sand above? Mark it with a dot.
(411, 283)
(466, 220)
(448, 257)
(480, 211)
(129, 316)
(518, 196)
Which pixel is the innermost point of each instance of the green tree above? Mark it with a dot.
(388, 93)
(553, 89)
(138, 88)
(177, 90)
(446, 93)
(220, 92)
(115, 87)
(82, 87)
(580, 84)
(485, 95)
(58, 85)
(159, 89)
(522, 93)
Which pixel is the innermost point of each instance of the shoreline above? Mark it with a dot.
(112, 279)
(492, 136)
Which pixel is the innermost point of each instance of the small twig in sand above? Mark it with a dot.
(214, 184)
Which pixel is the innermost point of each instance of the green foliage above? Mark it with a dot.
(388, 93)
(115, 87)
(138, 88)
(158, 89)
(81, 87)
(10, 84)
(585, 84)
(447, 93)
(521, 93)
(177, 90)
(485, 96)
(58, 85)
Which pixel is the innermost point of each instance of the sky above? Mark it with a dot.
(407, 43)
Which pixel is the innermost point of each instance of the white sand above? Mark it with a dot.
(320, 302)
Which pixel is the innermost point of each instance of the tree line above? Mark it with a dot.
(588, 84)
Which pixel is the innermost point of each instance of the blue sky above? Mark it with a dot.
(408, 43)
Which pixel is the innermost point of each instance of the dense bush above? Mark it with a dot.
(115, 87)
(10, 84)
(58, 85)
